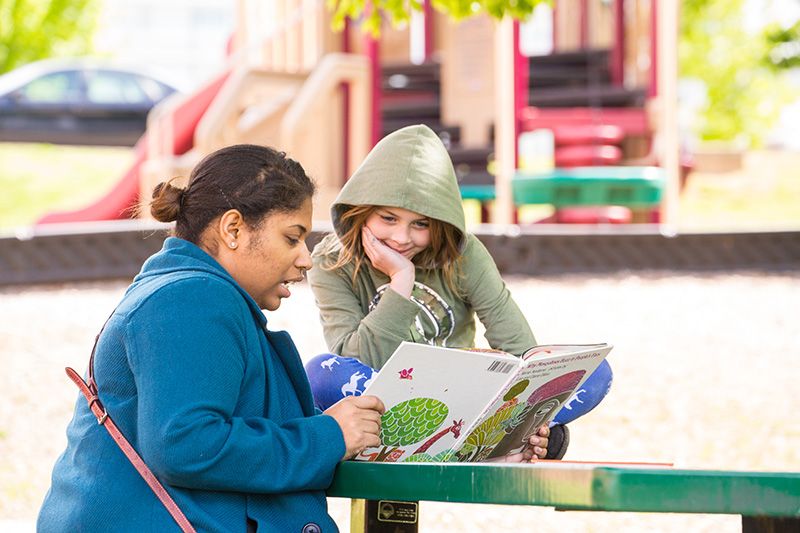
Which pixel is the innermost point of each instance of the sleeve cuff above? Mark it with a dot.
(334, 442)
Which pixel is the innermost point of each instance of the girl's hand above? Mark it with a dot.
(536, 448)
(537, 444)
(398, 267)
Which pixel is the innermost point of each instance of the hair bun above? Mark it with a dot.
(167, 201)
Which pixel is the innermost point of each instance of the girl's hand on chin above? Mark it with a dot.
(398, 267)
(383, 257)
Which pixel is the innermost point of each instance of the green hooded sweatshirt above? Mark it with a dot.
(411, 169)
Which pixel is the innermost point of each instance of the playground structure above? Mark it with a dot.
(326, 98)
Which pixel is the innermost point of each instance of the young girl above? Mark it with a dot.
(401, 267)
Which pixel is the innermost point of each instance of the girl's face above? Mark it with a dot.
(406, 232)
(271, 257)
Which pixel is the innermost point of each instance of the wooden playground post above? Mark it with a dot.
(618, 48)
(372, 51)
(505, 119)
(667, 75)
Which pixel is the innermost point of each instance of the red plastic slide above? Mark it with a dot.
(119, 201)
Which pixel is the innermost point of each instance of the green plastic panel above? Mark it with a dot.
(483, 193)
(575, 486)
(626, 186)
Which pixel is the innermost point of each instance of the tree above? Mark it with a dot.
(480, 443)
(743, 95)
(783, 46)
(37, 29)
(409, 422)
(399, 11)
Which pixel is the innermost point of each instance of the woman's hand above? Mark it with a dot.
(398, 267)
(535, 449)
(359, 417)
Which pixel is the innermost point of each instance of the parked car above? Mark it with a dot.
(77, 101)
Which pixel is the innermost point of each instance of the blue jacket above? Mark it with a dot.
(218, 407)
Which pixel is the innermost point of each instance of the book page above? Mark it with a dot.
(544, 350)
(532, 398)
(432, 395)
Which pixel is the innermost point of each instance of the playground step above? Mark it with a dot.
(410, 87)
(408, 78)
(591, 134)
(592, 214)
(568, 75)
(411, 109)
(423, 71)
(449, 134)
(475, 177)
(592, 96)
(410, 95)
(470, 156)
(471, 165)
(587, 155)
(392, 97)
(588, 56)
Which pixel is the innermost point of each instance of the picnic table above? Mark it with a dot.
(386, 495)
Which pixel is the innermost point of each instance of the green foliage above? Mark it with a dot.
(411, 421)
(783, 46)
(37, 29)
(744, 97)
(399, 11)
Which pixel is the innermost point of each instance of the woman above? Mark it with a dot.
(402, 267)
(217, 406)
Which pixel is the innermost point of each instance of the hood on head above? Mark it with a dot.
(411, 169)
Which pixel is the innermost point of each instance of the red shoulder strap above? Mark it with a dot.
(89, 390)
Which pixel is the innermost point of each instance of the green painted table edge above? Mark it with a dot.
(574, 486)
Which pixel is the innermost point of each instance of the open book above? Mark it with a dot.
(445, 404)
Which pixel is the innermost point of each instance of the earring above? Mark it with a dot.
(233, 244)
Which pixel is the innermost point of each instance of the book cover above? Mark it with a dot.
(546, 378)
(446, 404)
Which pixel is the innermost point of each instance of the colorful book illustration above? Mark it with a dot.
(446, 404)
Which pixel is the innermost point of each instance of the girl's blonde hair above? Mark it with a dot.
(444, 251)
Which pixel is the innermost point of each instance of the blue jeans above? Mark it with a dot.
(333, 377)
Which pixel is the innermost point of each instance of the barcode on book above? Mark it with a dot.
(501, 366)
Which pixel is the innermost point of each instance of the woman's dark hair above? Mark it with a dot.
(255, 180)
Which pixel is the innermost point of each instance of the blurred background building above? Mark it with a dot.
(184, 40)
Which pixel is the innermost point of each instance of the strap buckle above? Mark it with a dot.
(101, 419)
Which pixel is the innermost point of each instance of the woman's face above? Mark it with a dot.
(271, 257)
(404, 231)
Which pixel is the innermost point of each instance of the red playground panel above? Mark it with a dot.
(602, 214)
(587, 156)
(599, 214)
(581, 134)
(632, 120)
